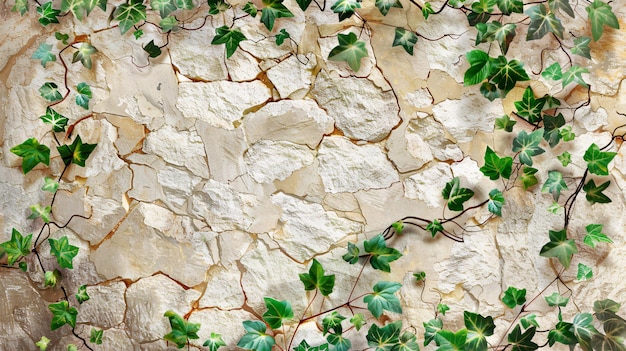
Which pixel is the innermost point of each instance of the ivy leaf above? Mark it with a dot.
(496, 201)
(42, 344)
(480, 67)
(250, 9)
(584, 272)
(508, 73)
(450, 341)
(427, 10)
(339, 342)
(215, 342)
(522, 341)
(495, 166)
(44, 54)
(304, 4)
(510, 6)
(168, 24)
(552, 72)
(32, 153)
(40, 211)
(58, 121)
(277, 311)
(514, 297)
(456, 195)
(530, 107)
(273, 9)
(47, 14)
(91, 4)
(478, 329)
(566, 133)
(581, 47)
(316, 279)
(605, 309)
(398, 227)
(229, 37)
(182, 330)
(76, 7)
(357, 320)
(583, 329)
(556, 300)
(381, 254)
(62, 314)
(130, 14)
(152, 49)
(81, 295)
(352, 256)
(385, 5)
(281, 36)
(431, 329)
(505, 123)
(349, 50)
(434, 227)
(574, 74)
(50, 92)
(304, 346)
(554, 184)
(188, 4)
(551, 133)
(565, 158)
(84, 55)
(332, 321)
(529, 320)
(407, 342)
(554, 208)
(598, 161)
(442, 308)
(594, 193)
(420, 276)
(601, 14)
(503, 34)
(138, 34)
(562, 333)
(63, 251)
(561, 4)
(527, 145)
(407, 39)
(542, 22)
(17, 247)
(559, 247)
(20, 6)
(76, 153)
(96, 336)
(165, 7)
(345, 8)
(84, 95)
(61, 37)
(384, 338)
(383, 298)
(595, 235)
(50, 185)
(490, 91)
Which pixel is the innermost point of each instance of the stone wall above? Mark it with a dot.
(216, 181)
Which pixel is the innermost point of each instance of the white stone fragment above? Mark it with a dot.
(361, 110)
(223, 289)
(177, 185)
(591, 120)
(270, 160)
(293, 76)
(145, 185)
(106, 306)
(420, 98)
(346, 167)
(181, 148)
(407, 151)
(433, 133)
(224, 149)
(222, 207)
(242, 67)
(428, 184)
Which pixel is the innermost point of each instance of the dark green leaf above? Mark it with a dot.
(456, 195)
(565, 158)
(551, 102)
(332, 322)
(434, 227)
(496, 201)
(554, 184)
(508, 73)
(385, 338)
(84, 95)
(316, 279)
(182, 331)
(50, 92)
(273, 9)
(96, 336)
(561, 4)
(277, 312)
(304, 346)
(63, 251)
(581, 47)
(490, 91)
(529, 320)
(420, 276)
(574, 74)
(345, 8)
(250, 9)
(514, 297)
(583, 329)
(17, 247)
(47, 14)
(381, 254)
(32, 153)
(559, 247)
(542, 22)
(478, 329)
(595, 235)
(450, 341)
(76, 153)
(522, 341)
(61, 37)
(39, 211)
(281, 36)
(407, 39)
(215, 342)
(385, 5)
(475, 18)
(605, 309)
(510, 6)
(229, 37)
(528, 177)
(530, 107)
(527, 145)
(584, 272)
(601, 14)
(62, 314)
(130, 14)
(57, 121)
(495, 166)
(81, 295)
(597, 160)
(165, 7)
(557, 300)
(152, 49)
(215, 6)
(304, 4)
(427, 10)
(167, 24)
(431, 328)
(383, 298)
(20, 6)
(551, 133)
(352, 256)
(562, 333)
(480, 67)
(595, 193)
(349, 50)
(505, 123)
(339, 342)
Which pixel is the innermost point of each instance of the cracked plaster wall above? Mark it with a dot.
(215, 182)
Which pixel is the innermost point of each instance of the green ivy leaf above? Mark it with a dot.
(407, 342)
(61, 37)
(316, 279)
(138, 34)
(129, 14)
(510, 6)
(522, 341)
(17, 247)
(478, 329)
(431, 329)
(496, 201)
(42, 344)
(76, 153)
(597, 160)
(84, 95)
(281, 37)
(606, 309)
(384, 338)
(345, 8)
(529, 320)
(480, 67)
(595, 193)
(595, 235)
(152, 49)
(583, 329)
(505, 123)
(332, 321)
(554, 208)
(358, 320)
(82, 295)
(442, 308)
(50, 92)
(434, 227)
(62, 314)
(349, 50)
(304, 4)
(551, 133)
(381, 254)
(58, 121)
(273, 9)
(339, 342)
(483, 6)
(542, 22)
(456, 195)
(277, 311)
(527, 145)
(165, 7)
(50, 185)
(565, 158)
(47, 14)
(490, 91)
(562, 333)
(256, 337)
(584, 272)
(304, 346)
(40, 211)
(503, 34)
(352, 256)
(91, 4)
(383, 298)
(250, 9)
(562, 5)
(601, 14)
(530, 107)
(168, 24)
(182, 330)
(427, 10)
(188, 4)
(63, 251)
(76, 7)
(229, 37)
(405, 38)
(420, 276)
(450, 341)
(554, 184)
(556, 300)
(514, 297)
(566, 133)
(581, 47)
(559, 247)
(32, 153)
(96, 336)
(20, 6)
(495, 166)
(385, 5)
(398, 227)
(508, 73)
(574, 74)
(551, 102)
(215, 342)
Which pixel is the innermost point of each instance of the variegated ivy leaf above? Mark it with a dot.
(510, 6)
(165, 7)
(83, 54)
(44, 54)
(50, 92)
(84, 95)
(574, 74)
(273, 9)
(542, 22)
(186, 4)
(495, 30)
(581, 47)
(559, 247)
(250, 9)
(554, 184)
(76, 153)
(91, 4)
(130, 14)
(50, 185)
(58, 121)
(40, 211)
(507, 73)
(76, 7)
(47, 14)
(349, 50)
(169, 23)
(385, 5)
(563, 5)
(345, 8)
(407, 39)
(600, 14)
(552, 72)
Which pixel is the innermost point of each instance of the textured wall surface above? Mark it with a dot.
(216, 181)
